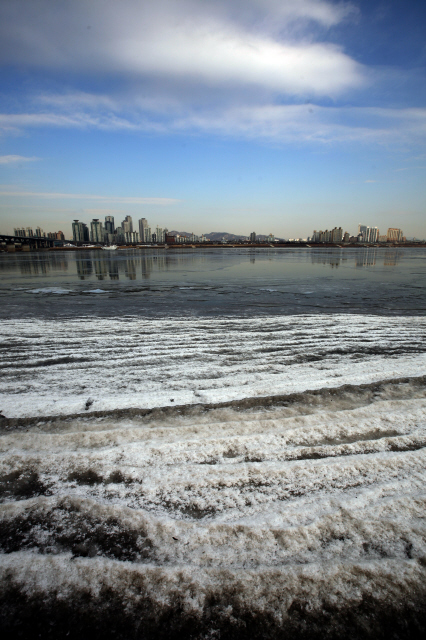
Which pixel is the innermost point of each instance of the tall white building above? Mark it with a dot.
(373, 234)
(143, 223)
(80, 232)
(362, 230)
(109, 225)
(159, 235)
(96, 231)
(132, 237)
(368, 234)
(394, 235)
(127, 224)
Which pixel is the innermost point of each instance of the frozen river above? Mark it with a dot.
(213, 282)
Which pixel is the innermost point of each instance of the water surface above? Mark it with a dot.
(214, 282)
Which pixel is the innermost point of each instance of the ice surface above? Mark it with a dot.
(49, 290)
(95, 291)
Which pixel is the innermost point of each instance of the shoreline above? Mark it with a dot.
(206, 246)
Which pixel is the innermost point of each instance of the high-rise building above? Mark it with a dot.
(109, 224)
(39, 233)
(159, 234)
(394, 235)
(80, 231)
(96, 231)
(336, 234)
(19, 232)
(119, 235)
(368, 234)
(132, 237)
(362, 229)
(148, 236)
(127, 224)
(143, 223)
(253, 236)
(372, 234)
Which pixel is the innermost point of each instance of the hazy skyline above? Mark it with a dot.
(237, 115)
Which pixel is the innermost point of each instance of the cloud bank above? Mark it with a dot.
(265, 45)
(81, 196)
(242, 68)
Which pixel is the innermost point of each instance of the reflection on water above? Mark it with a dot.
(367, 258)
(331, 258)
(363, 257)
(84, 267)
(134, 265)
(213, 281)
(112, 266)
(392, 257)
(36, 264)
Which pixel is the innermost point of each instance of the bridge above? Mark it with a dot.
(27, 243)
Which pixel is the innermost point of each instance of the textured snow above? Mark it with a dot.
(320, 501)
(54, 367)
(315, 501)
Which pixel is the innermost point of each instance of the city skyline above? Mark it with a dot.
(217, 115)
(125, 233)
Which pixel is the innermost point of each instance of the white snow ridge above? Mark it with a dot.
(293, 510)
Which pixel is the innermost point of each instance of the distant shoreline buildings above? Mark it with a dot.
(108, 233)
(27, 232)
(368, 235)
(100, 233)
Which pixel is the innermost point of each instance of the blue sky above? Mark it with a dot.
(214, 115)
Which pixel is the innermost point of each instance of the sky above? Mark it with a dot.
(273, 116)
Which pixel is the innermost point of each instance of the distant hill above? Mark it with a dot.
(221, 235)
(179, 233)
(217, 236)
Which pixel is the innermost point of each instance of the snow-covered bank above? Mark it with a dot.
(298, 521)
(298, 518)
(64, 367)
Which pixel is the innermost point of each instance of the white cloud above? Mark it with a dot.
(228, 56)
(410, 168)
(297, 123)
(16, 159)
(226, 67)
(80, 196)
(14, 122)
(250, 43)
